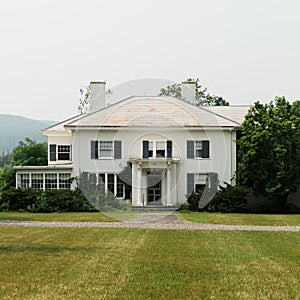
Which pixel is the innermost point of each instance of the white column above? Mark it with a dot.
(57, 181)
(140, 187)
(30, 180)
(115, 184)
(169, 203)
(44, 181)
(105, 182)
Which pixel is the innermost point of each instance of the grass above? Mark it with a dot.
(213, 218)
(69, 263)
(56, 217)
(243, 219)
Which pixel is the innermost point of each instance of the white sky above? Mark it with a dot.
(241, 50)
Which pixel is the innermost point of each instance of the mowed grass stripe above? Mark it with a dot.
(60, 263)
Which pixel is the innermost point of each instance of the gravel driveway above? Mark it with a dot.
(152, 221)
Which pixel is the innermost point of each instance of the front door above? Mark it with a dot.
(154, 187)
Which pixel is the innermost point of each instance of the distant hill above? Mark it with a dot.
(15, 128)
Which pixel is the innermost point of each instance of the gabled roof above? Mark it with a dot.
(155, 111)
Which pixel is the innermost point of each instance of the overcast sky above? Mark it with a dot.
(241, 50)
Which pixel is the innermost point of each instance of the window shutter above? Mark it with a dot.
(169, 149)
(190, 149)
(205, 149)
(53, 152)
(94, 149)
(117, 149)
(145, 149)
(190, 183)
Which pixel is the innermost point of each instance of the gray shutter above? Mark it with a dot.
(94, 149)
(117, 149)
(52, 149)
(205, 149)
(190, 183)
(190, 146)
(169, 149)
(145, 149)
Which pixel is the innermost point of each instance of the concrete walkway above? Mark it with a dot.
(152, 221)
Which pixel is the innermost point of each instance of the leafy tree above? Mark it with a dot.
(269, 157)
(30, 153)
(84, 100)
(5, 159)
(202, 96)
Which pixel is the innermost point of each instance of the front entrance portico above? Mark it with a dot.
(154, 182)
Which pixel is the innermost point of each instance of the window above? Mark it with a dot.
(101, 183)
(50, 181)
(111, 183)
(64, 181)
(106, 149)
(37, 181)
(120, 188)
(157, 149)
(200, 181)
(24, 180)
(160, 149)
(59, 152)
(63, 152)
(198, 149)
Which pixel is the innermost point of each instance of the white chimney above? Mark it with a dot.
(188, 91)
(97, 95)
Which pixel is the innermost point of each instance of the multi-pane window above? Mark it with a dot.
(111, 182)
(101, 183)
(50, 181)
(157, 149)
(63, 152)
(160, 148)
(64, 181)
(106, 149)
(198, 148)
(59, 152)
(120, 188)
(200, 181)
(37, 181)
(24, 181)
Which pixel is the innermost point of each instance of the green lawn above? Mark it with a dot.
(56, 217)
(243, 219)
(83, 263)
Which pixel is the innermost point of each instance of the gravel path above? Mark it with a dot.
(152, 221)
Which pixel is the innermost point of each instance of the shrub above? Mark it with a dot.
(229, 199)
(44, 201)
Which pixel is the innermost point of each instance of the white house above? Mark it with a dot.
(172, 146)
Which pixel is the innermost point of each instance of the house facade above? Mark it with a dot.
(171, 147)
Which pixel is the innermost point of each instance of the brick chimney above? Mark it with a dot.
(97, 95)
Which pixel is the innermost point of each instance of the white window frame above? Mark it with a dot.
(111, 149)
(154, 146)
(198, 149)
(57, 152)
(199, 182)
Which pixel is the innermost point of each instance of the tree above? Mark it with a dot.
(269, 150)
(84, 100)
(30, 153)
(202, 96)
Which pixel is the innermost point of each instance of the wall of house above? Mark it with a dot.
(221, 161)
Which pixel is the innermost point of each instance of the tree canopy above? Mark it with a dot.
(30, 153)
(269, 157)
(202, 95)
